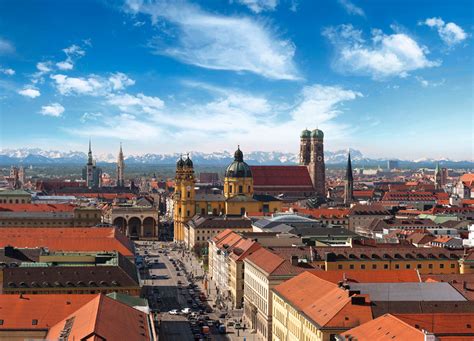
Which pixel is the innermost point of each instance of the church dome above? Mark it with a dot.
(305, 133)
(188, 163)
(180, 163)
(238, 168)
(316, 133)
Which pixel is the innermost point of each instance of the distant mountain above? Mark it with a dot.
(36, 156)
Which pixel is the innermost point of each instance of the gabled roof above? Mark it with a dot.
(103, 318)
(386, 327)
(18, 312)
(328, 306)
(67, 239)
(282, 176)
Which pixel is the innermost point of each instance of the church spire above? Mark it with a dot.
(348, 182)
(89, 154)
(120, 168)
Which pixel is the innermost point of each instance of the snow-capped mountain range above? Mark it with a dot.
(32, 156)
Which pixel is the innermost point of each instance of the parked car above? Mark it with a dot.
(186, 310)
(221, 329)
(174, 312)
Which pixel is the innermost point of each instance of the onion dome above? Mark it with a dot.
(305, 134)
(180, 163)
(188, 163)
(318, 134)
(238, 168)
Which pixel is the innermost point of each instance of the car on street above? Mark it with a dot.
(179, 282)
(186, 310)
(174, 312)
(154, 276)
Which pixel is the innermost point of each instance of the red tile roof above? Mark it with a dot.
(461, 324)
(67, 239)
(361, 276)
(329, 306)
(384, 328)
(37, 207)
(467, 179)
(18, 312)
(282, 176)
(104, 318)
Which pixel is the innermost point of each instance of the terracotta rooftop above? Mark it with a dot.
(38, 311)
(67, 239)
(323, 212)
(361, 276)
(103, 318)
(384, 328)
(328, 307)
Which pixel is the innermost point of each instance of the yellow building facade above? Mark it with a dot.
(238, 195)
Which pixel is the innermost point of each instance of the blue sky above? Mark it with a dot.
(390, 78)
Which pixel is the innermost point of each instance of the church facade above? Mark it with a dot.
(238, 197)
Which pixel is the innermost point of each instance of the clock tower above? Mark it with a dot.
(184, 196)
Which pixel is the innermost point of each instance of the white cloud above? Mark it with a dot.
(92, 85)
(351, 8)
(8, 72)
(90, 116)
(130, 103)
(120, 81)
(65, 65)
(386, 56)
(44, 67)
(219, 42)
(425, 83)
(258, 6)
(6, 47)
(53, 109)
(74, 51)
(29, 91)
(450, 33)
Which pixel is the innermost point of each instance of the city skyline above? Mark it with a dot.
(168, 77)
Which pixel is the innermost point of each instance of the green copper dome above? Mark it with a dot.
(238, 168)
(316, 133)
(305, 133)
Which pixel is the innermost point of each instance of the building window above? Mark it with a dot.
(453, 266)
(242, 211)
(385, 266)
(397, 266)
(441, 266)
(339, 266)
(188, 213)
(241, 189)
(351, 266)
(407, 266)
(248, 189)
(362, 266)
(188, 194)
(230, 188)
(374, 266)
(203, 211)
(419, 266)
(430, 266)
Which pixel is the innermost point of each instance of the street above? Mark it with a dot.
(174, 280)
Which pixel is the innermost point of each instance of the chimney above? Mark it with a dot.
(294, 260)
(9, 251)
(358, 300)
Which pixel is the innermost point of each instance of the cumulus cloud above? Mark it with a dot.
(44, 67)
(6, 47)
(53, 109)
(8, 72)
(258, 6)
(450, 33)
(65, 65)
(218, 42)
(429, 84)
(92, 85)
(30, 92)
(351, 8)
(387, 55)
(90, 116)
